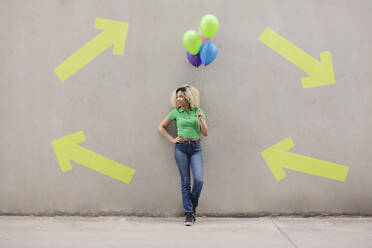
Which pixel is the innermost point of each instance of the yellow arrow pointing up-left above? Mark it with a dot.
(114, 33)
(277, 157)
(66, 149)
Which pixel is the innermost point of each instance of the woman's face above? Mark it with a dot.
(181, 99)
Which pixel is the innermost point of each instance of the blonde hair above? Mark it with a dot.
(191, 94)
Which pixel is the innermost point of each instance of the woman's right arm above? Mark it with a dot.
(162, 129)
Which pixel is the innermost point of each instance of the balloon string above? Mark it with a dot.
(202, 71)
(201, 78)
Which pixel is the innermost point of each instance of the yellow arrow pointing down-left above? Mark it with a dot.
(114, 33)
(66, 149)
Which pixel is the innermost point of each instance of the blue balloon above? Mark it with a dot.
(208, 52)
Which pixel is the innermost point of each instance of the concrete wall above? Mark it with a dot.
(251, 95)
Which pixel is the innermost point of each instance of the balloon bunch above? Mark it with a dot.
(199, 45)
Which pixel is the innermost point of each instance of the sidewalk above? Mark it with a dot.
(66, 232)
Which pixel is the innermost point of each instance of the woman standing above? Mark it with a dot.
(190, 119)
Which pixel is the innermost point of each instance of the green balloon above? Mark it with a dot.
(209, 26)
(192, 41)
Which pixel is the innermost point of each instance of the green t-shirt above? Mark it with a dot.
(188, 125)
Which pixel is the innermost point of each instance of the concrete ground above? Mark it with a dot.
(28, 231)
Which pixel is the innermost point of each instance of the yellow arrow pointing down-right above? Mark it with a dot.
(321, 73)
(277, 157)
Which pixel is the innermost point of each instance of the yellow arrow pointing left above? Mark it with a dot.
(66, 149)
(114, 33)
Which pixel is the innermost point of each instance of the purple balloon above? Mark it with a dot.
(194, 59)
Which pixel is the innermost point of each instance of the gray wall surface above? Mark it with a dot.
(252, 97)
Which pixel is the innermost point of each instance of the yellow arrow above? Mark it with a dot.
(66, 149)
(114, 33)
(277, 157)
(321, 73)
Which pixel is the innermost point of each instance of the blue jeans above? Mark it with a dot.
(189, 154)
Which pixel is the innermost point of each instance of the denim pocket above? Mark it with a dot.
(196, 143)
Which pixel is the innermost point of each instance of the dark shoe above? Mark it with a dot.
(189, 219)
